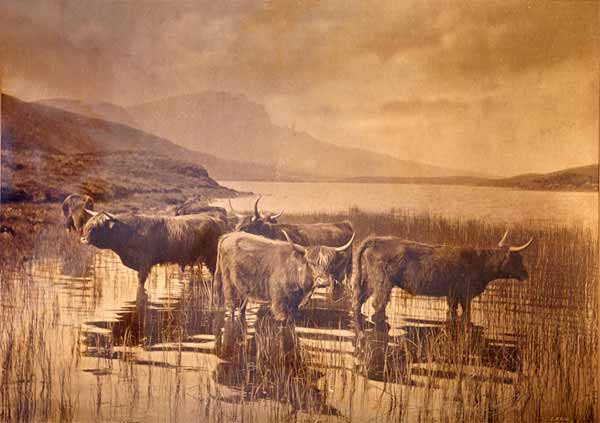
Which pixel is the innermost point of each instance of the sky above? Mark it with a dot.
(495, 87)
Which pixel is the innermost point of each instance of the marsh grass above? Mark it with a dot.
(529, 356)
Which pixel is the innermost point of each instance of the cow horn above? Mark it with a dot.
(90, 212)
(256, 212)
(503, 240)
(239, 215)
(276, 216)
(522, 247)
(110, 216)
(297, 247)
(345, 246)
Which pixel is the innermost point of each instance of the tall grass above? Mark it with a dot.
(529, 356)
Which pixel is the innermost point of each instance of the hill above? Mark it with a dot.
(99, 110)
(231, 126)
(584, 178)
(48, 153)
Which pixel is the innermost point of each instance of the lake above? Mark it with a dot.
(500, 205)
(91, 346)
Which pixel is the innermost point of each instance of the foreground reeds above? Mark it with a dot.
(530, 354)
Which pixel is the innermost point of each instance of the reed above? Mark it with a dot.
(530, 354)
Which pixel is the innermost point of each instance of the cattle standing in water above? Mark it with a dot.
(74, 211)
(281, 273)
(143, 241)
(245, 219)
(307, 234)
(459, 274)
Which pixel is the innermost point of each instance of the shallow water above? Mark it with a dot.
(163, 354)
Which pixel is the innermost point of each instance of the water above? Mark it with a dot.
(164, 354)
(500, 205)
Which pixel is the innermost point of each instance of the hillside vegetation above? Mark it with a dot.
(48, 153)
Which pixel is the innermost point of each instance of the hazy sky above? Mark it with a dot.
(506, 87)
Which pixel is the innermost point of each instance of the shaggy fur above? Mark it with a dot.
(73, 210)
(268, 271)
(459, 274)
(143, 241)
(310, 234)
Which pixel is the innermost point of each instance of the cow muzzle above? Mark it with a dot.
(322, 282)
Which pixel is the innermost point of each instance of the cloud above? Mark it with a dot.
(397, 77)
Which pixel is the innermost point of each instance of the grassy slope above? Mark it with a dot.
(584, 178)
(48, 153)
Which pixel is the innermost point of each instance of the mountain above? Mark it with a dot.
(583, 178)
(48, 152)
(230, 126)
(98, 110)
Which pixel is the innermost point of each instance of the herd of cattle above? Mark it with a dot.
(255, 258)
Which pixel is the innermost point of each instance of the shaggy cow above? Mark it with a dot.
(243, 220)
(307, 234)
(143, 241)
(459, 274)
(74, 211)
(281, 273)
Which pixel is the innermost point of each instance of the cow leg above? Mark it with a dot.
(465, 305)
(279, 310)
(381, 297)
(143, 275)
(452, 307)
(358, 299)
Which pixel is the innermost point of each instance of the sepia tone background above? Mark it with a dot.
(443, 122)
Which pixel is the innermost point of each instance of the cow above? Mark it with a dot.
(281, 273)
(307, 234)
(457, 273)
(198, 205)
(246, 219)
(143, 241)
(74, 211)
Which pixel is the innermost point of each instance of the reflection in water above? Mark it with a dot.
(299, 366)
(433, 349)
(268, 365)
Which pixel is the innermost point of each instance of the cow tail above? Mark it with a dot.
(358, 288)
(217, 288)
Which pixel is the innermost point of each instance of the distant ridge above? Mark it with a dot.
(48, 152)
(582, 178)
(99, 110)
(230, 126)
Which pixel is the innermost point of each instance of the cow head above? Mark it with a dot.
(512, 266)
(99, 230)
(323, 262)
(256, 223)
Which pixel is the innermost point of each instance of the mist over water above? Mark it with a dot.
(495, 205)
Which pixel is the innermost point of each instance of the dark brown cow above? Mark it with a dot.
(143, 241)
(307, 234)
(246, 219)
(460, 274)
(284, 274)
(74, 211)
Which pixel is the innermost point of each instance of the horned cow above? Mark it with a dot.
(307, 234)
(281, 273)
(459, 274)
(143, 241)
